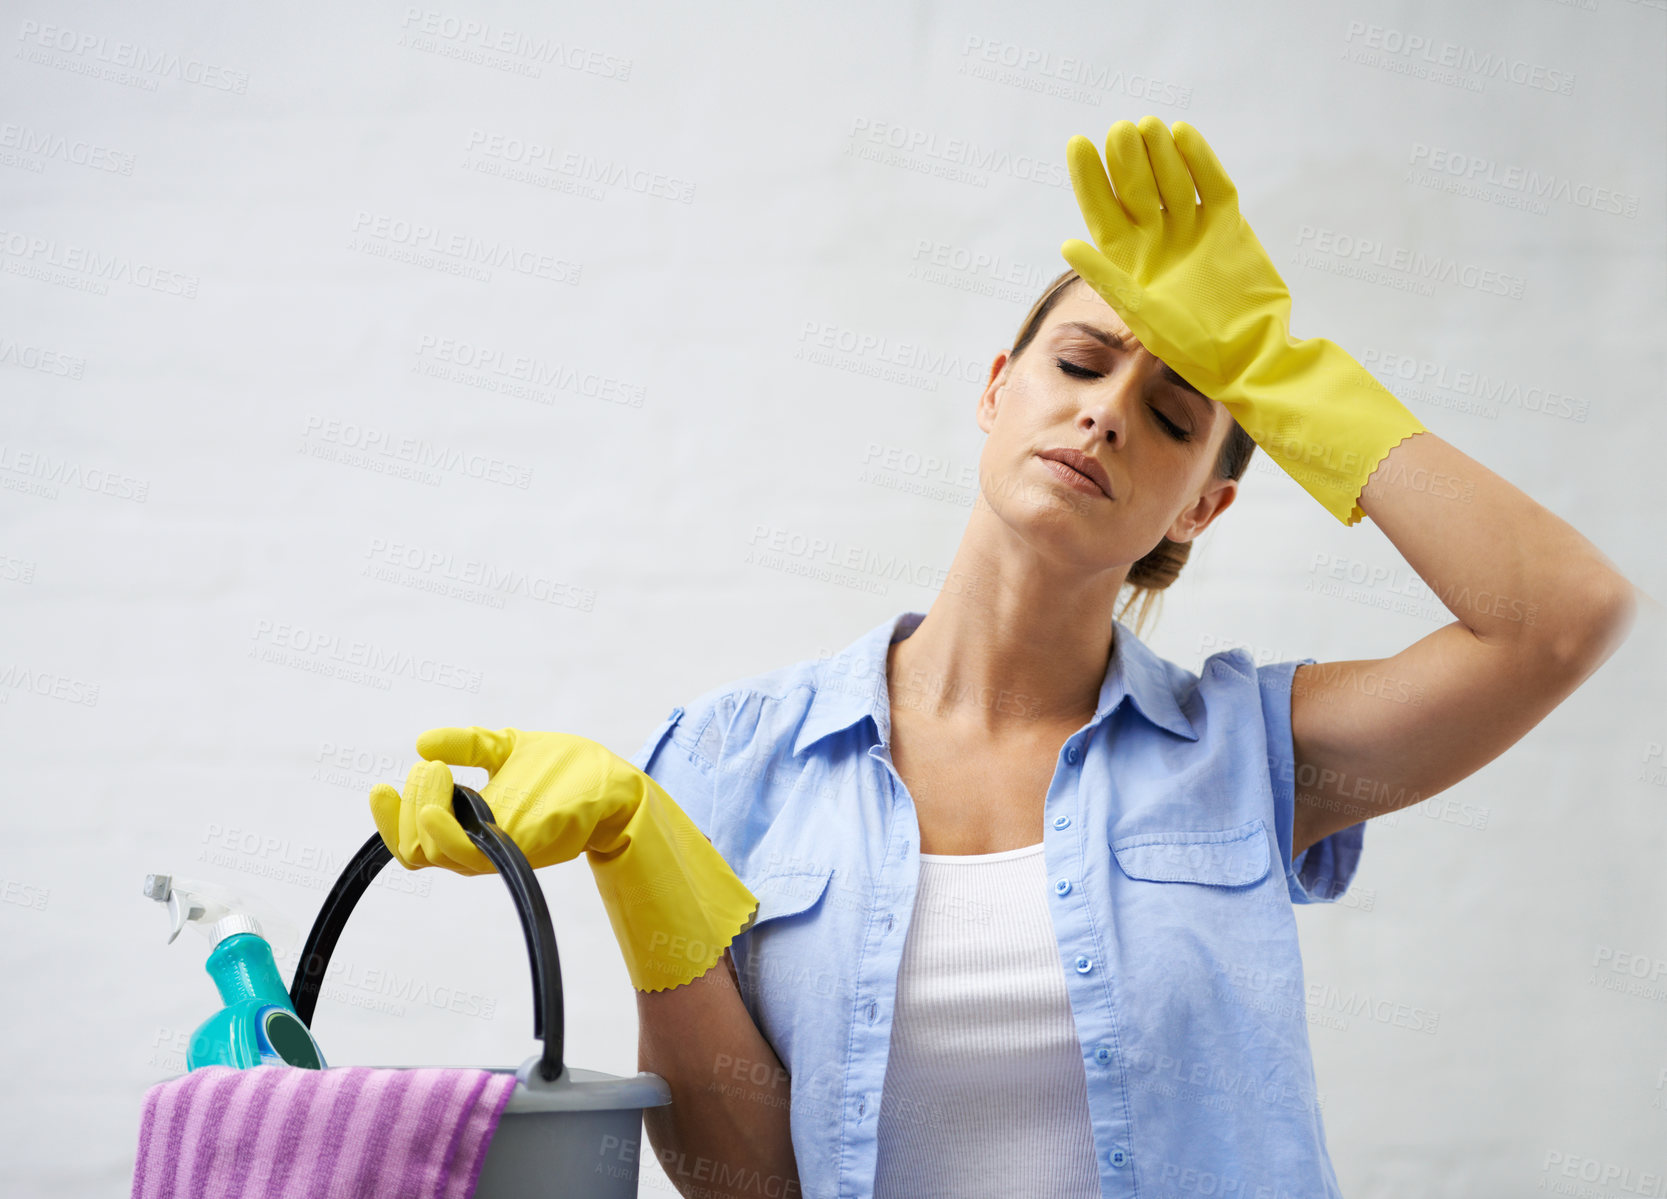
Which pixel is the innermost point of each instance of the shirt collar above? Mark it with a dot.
(852, 684)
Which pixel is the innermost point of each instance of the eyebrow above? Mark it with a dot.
(1107, 337)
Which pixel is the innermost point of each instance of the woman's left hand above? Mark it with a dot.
(1195, 286)
(1188, 276)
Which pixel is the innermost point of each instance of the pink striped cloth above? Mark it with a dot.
(350, 1132)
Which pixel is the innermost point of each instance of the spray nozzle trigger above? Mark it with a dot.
(182, 905)
(218, 913)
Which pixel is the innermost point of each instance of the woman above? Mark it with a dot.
(1013, 934)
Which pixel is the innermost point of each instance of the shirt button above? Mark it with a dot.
(1062, 822)
(1084, 965)
(1071, 755)
(1062, 887)
(1119, 1157)
(1102, 1055)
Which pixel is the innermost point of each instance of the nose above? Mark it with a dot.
(1107, 408)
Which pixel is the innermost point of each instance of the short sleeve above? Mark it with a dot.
(678, 755)
(1322, 872)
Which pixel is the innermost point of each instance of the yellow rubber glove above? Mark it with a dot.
(1194, 285)
(674, 903)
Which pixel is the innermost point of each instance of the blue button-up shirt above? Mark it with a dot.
(1176, 939)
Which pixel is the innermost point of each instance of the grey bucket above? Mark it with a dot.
(565, 1131)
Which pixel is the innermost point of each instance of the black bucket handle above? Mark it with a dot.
(475, 815)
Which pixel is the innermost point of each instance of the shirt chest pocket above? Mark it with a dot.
(1231, 857)
(1205, 938)
(784, 893)
(791, 964)
(1196, 906)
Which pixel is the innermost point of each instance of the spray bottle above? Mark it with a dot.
(258, 1026)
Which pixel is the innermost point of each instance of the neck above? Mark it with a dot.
(1012, 644)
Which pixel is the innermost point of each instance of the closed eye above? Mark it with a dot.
(1082, 372)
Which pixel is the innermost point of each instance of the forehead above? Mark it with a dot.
(1079, 302)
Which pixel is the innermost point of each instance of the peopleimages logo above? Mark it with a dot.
(825, 342)
(33, 254)
(47, 361)
(1065, 76)
(42, 144)
(357, 445)
(581, 167)
(1437, 54)
(45, 474)
(400, 562)
(1366, 255)
(381, 233)
(156, 64)
(328, 653)
(956, 156)
(1475, 171)
(497, 369)
(469, 38)
(1470, 389)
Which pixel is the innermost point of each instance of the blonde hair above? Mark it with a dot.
(1151, 575)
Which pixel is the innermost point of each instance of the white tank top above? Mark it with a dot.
(985, 1091)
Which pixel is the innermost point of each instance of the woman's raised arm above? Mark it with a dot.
(1538, 609)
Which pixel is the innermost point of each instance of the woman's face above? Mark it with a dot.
(1085, 383)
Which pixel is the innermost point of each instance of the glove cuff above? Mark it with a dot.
(674, 903)
(1323, 418)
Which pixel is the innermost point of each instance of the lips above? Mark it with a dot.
(1083, 464)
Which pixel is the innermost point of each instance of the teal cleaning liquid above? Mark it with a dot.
(258, 1025)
